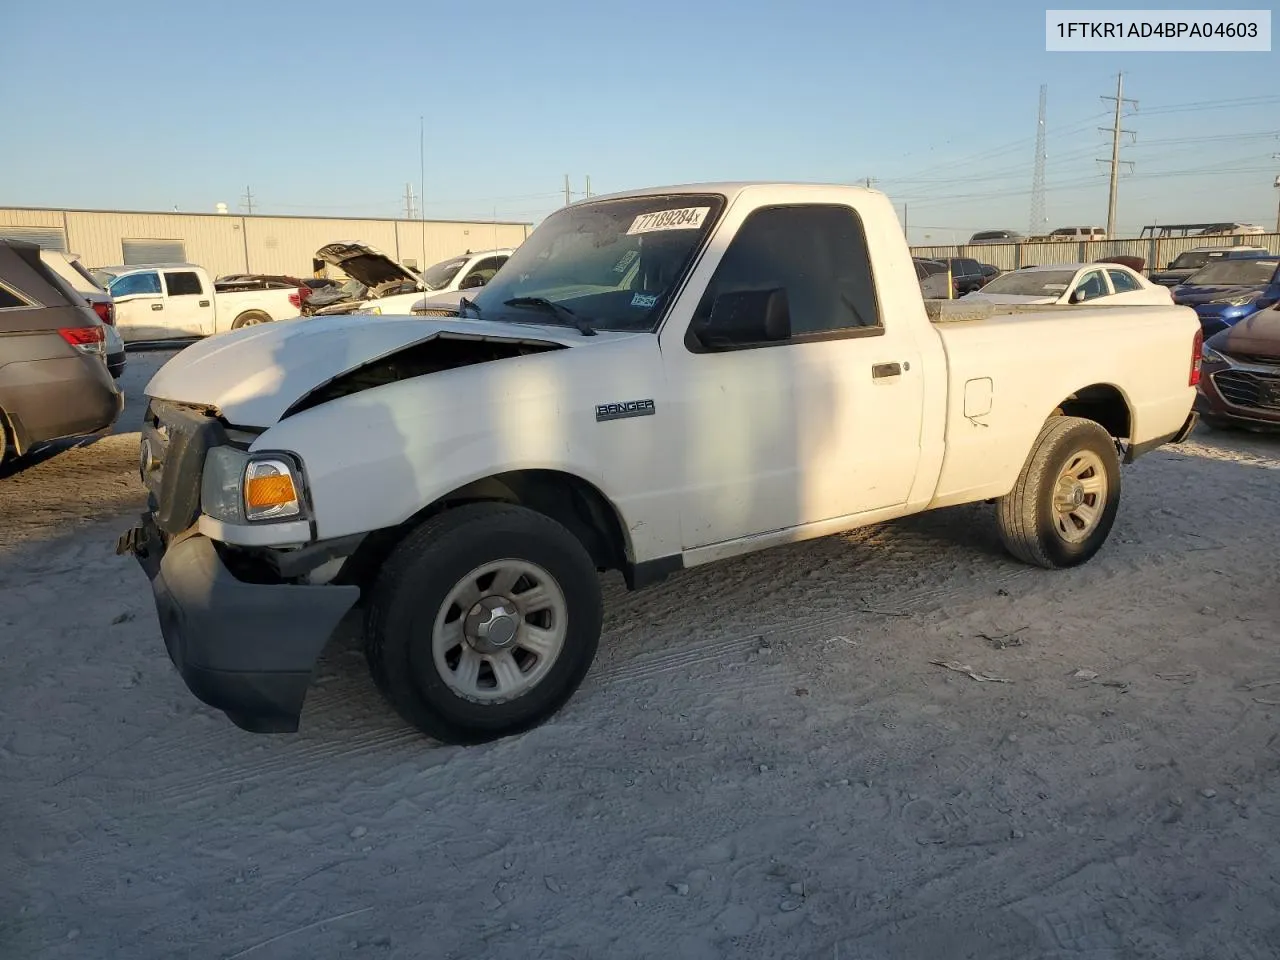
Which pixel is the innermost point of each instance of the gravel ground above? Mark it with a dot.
(764, 762)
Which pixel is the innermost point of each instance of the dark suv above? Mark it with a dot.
(54, 381)
(966, 275)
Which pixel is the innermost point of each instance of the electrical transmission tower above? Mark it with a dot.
(1115, 160)
(247, 200)
(1037, 177)
(410, 210)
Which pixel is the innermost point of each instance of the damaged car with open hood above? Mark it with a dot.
(654, 381)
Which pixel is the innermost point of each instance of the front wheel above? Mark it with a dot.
(483, 622)
(1064, 503)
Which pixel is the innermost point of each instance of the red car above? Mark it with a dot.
(1240, 374)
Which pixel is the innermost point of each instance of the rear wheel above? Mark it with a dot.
(483, 622)
(250, 318)
(1064, 503)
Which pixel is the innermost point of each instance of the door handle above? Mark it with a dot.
(204, 303)
(882, 370)
(157, 306)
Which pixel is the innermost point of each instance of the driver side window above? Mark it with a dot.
(817, 254)
(1091, 287)
(482, 272)
(136, 283)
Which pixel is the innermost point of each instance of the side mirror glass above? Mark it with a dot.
(1077, 296)
(745, 318)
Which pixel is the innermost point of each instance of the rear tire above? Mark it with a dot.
(1064, 504)
(250, 318)
(483, 622)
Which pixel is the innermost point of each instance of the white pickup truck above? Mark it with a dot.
(653, 381)
(178, 301)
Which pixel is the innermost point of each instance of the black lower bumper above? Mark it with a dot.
(1137, 450)
(246, 648)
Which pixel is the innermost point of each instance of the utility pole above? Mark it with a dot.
(410, 212)
(247, 200)
(869, 181)
(588, 187)
(1115, 151)
(904, 224)
(566, 189)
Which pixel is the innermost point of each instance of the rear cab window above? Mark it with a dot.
(182, 283)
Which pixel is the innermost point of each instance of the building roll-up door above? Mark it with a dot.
(154, 251)
(48, 238)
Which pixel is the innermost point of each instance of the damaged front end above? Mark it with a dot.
(445, 351)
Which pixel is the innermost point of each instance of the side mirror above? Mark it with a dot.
(1077, 295)
(472, 282)
(745, 318)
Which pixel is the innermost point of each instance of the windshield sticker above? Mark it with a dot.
(628, 258)
(687, 218)
(644, 299)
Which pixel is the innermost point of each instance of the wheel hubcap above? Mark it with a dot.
(499, 631)
(1080, 496)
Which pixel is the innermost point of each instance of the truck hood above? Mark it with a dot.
(366, 264)
(252, 376)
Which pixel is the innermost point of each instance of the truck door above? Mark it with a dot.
(188, 305)
(139, 307)
(789, 427)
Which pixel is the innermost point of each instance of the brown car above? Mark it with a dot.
(1240, 374)
(54, 380)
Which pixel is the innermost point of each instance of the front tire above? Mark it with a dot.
(483, 622)
(1064, 504)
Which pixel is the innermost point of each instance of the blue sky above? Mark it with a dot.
(316, 105)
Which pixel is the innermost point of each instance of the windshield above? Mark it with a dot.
(1032, 283)
(614, 263)
(1242, 273)
(437, 277)
(1190, 261)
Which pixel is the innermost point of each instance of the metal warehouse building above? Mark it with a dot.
(232, 243)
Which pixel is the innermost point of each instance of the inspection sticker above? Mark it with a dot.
(644, 299)
(687, 218)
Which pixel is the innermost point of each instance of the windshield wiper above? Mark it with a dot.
(563, 313)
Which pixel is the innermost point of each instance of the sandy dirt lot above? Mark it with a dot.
(763, 763)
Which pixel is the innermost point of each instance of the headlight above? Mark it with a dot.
(239, 487)
(1210, 355)
(1237, 301)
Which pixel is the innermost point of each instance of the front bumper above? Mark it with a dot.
(246, 648)
(1243, 394)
